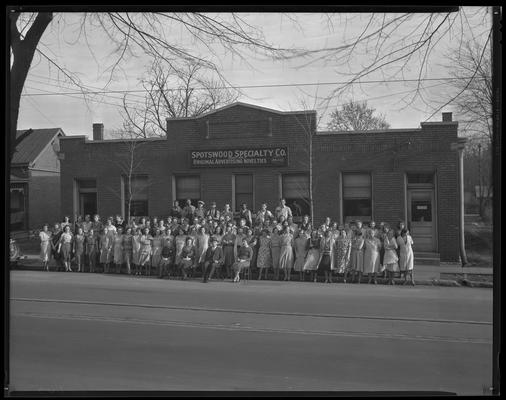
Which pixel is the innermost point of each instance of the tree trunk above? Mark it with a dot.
(22, 51)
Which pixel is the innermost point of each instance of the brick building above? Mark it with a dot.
(35, 179)
(245, 153)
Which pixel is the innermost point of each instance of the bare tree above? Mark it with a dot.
(474, 104)
(356, 116)
(172, 93)
(131, 33)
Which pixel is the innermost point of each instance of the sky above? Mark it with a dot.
(50, 100)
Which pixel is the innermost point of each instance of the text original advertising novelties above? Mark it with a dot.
(240, 157)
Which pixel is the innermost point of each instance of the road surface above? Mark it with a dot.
(71, 331)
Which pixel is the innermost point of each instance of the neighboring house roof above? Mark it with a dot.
(33, 144)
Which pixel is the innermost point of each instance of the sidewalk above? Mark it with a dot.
(424, 274)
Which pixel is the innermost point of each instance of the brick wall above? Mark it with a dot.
(388, 155)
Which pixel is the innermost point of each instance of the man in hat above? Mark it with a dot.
(200, 211)
(283, 210)
(176, 211)
(189, 211)
(246, 214)
(213, 258)
(213, 212)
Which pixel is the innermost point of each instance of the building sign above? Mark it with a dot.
(240, 157)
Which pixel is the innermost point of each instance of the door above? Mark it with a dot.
(88, 203)
(421, 219)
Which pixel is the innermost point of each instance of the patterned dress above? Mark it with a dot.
(343, 248)
(145, 250)
(127, 248)
(264, 258)
(78, 245)
(136, 249)
(390, 258)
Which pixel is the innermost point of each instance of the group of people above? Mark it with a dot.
(209, 241)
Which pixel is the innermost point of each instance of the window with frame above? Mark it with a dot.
(243, 191)
(187, 187)
(357, 198)
(295, 190)
(138, 196)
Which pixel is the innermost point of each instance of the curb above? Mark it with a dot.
(425, 282)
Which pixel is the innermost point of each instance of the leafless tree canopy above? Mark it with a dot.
(356, 116)
(474, 104)
(173, 93)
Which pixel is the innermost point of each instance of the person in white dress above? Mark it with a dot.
(406, 257)
(45, 246)
(371, 255)
(390, 258)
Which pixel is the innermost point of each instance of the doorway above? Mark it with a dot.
(421, 219)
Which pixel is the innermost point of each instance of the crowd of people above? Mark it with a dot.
(194, 241)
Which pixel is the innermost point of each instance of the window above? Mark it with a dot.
(420, 177)
(187, 187)
(243, 191)
(18, 196)
(137, 197)
(295, 190)
(357, 203)
(87, 196)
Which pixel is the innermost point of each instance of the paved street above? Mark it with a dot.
(73, 331)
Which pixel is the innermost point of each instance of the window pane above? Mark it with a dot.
(140, 185)
(357, 209)
(244, 183)
(87, 183)
(188, 187)
(421, 177)
(139, 208)
(295, 186)
(356, 186)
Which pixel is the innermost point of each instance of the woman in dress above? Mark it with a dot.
(228, 243)
(117, 249)
(301, 244)
(66, 222)
(45, 246)
(156, 254)
(286, 252)
(327, 255)
(201, 245)
(55, 240)
(136, 250)
(357, 255)
(390, 258)
(188, 257)
(145, 250)
(405, 242)
(371, 255)
(105, 248)
(264, 258)
(128, 249)
(218, 234)
(180, 241)
(253, 243)
(275, 250)
(79, 248)
(91, 247)
(343, 249)
(313, 255)
(65, 247)
(243, 259)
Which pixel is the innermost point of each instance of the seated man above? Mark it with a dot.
(213, 258)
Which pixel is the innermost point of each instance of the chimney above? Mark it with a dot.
(447, 117)
(98, 131)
